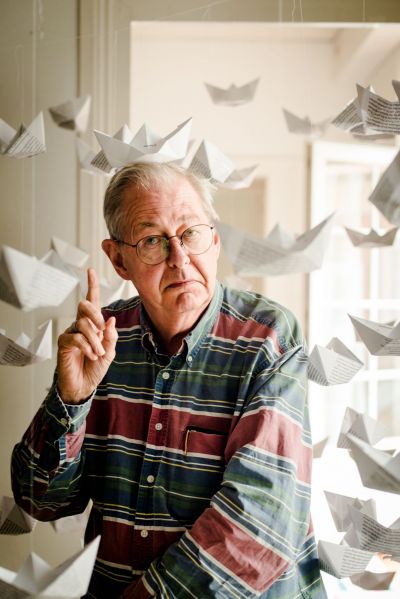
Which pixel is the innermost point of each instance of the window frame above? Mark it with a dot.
(375, 158)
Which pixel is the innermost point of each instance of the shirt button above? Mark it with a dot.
(64, 421)
(189, 358)
(150, 478)
(165, 375)
(158, 426)
(144, 533)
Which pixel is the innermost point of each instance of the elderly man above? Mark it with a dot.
(180, 412)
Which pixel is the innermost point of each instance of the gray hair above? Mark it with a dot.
(144, 177)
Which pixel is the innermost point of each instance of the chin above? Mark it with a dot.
(190, 301)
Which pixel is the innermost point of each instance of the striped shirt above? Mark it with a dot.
(198, 464)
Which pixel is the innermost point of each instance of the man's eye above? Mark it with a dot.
(191, 233)
(151, 242)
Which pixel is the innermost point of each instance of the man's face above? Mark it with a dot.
(183, 284)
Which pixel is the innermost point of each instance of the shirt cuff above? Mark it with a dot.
(64, 418)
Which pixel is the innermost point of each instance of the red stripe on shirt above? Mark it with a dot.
(280, 436)
(183, 429)
(229, 327)
(242, 555)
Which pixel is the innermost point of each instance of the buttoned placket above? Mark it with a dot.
(156, 436)
(143, 539)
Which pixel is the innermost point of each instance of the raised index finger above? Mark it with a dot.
(93, 293)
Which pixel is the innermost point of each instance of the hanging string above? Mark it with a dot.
(19, 70)
(206, 14)
(206, 7)
(293, 10)
(40, 19)
(19, 57)
(37, 10)
(303, 44)
(36, 5)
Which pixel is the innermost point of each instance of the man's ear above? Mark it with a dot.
(217, 242)
(113, 251)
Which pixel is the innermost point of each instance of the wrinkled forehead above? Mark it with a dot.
(174, 201)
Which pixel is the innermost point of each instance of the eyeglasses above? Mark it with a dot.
(154, 249)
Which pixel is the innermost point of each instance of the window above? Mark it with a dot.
(361, 282)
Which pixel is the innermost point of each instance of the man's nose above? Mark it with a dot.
(177, 256)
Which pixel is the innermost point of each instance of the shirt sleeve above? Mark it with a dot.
(46, 465)
(258, 522)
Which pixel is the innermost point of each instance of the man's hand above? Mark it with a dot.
(86, 349)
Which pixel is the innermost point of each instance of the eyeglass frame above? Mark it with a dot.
(181, 243)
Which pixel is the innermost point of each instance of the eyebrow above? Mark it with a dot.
(147, 224)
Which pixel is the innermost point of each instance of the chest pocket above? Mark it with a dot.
(202, 441)
(198, 475)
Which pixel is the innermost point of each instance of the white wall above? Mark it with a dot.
(382, 77)
(38, 68)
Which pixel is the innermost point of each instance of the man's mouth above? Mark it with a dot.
(177, 284)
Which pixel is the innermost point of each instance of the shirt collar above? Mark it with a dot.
(194, 338)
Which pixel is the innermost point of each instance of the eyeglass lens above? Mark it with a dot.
(155, 248)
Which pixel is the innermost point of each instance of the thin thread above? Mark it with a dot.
(169, 16)
(180, 13)
(35, 9)
(20, 75)
(293, 10)
(41, 19)
(303, 46)
(20, 69)
(18, 58)
(206, 14)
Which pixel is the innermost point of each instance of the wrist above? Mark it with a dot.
(73, 400)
